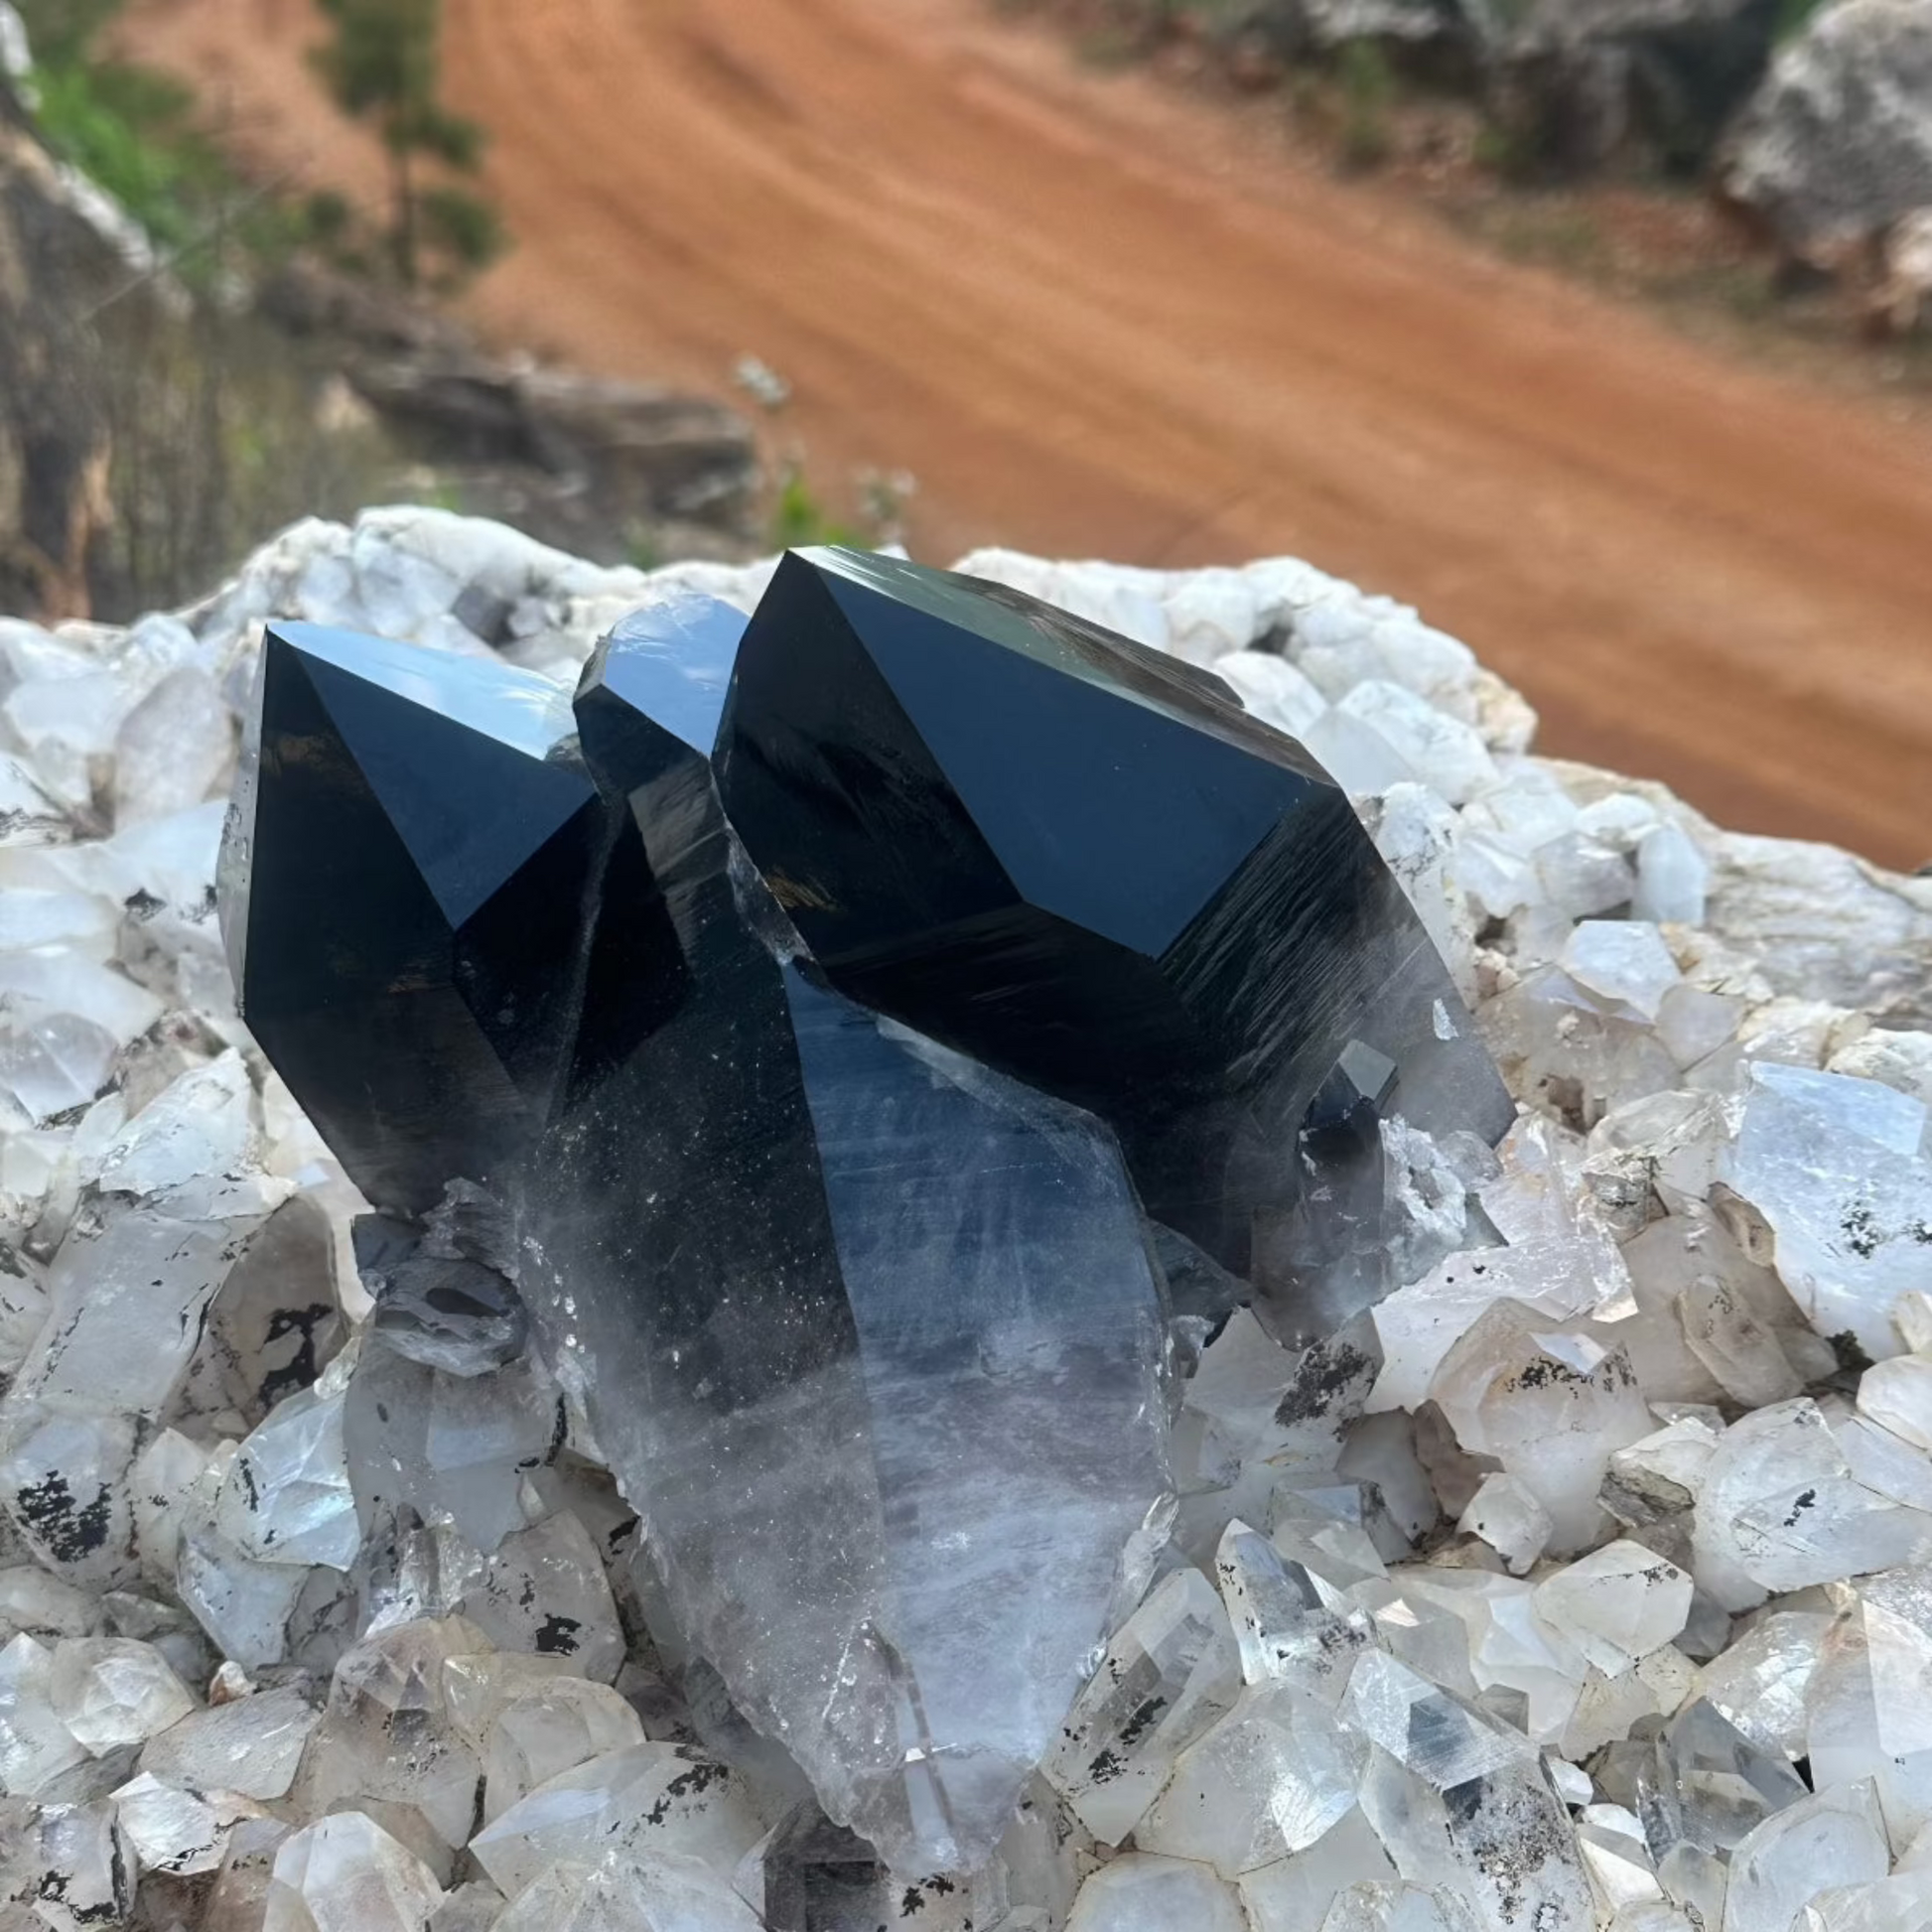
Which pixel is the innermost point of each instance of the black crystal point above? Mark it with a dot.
(1080, 861)
(406, 868)
(654, 689)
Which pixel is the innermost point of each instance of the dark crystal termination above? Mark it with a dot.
(410, 849)
(822, 1150)
(1080, 861)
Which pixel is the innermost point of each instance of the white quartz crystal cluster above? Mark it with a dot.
(1584, 1584)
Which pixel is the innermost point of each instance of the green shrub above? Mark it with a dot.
(155, 174)
(1367, 85)
(464, 230)
(133, 132)
(798, 518)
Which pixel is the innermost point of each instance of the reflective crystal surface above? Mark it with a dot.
(347, 1875)
(1171, 1669)
(1021, 833)
(654, 1799)
(176, 1829)
(902, 1354)
(403, 874)
(112, 1691)
(250, 1745)
(1711, 1786)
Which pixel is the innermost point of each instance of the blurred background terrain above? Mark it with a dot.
(1588, 326)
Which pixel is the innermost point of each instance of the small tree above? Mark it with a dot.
(381, 63)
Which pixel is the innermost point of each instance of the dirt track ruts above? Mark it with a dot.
(1091, 323)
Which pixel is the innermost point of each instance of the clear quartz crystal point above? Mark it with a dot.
(287, 1496)
(388, 1734)
(1759, 1681)
(178, 1830)
(1272, 1777)
(345, 1874)
(36, 1748)
(1866, 1716)
(1901, 1903)
(1779, 1506)
(1616, 1605)
(627, 1892)
(1710, 1786)
(807, 1874)
(75, 1861)
(1837, 1168)
(1169, 1671)
(651, 1799)
(1292, 1625)
(1463, 1800)
(1820, 1843)
(550, 1731)
(250, 1745)
(111, 1692)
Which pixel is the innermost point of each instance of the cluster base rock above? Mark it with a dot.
(1531, 1532)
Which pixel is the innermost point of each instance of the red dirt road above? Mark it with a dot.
(1090, 323)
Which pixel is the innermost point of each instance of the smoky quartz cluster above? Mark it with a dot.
(849, 1037)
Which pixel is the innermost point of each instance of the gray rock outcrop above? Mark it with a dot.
(1578, 80)
(1259, 41)
(577, 460)
(1837, 145)
(56, 266)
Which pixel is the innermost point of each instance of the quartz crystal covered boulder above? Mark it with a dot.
(724, 1446)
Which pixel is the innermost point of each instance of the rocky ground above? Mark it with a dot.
(1592, 1584)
